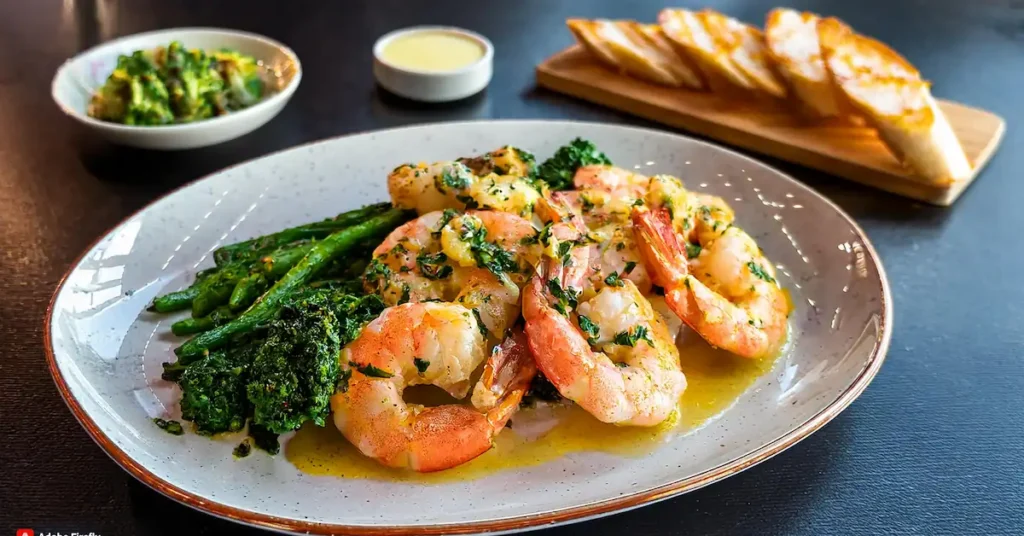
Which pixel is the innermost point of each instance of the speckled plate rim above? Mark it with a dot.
(513, 524)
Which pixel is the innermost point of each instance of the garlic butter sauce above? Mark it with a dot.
(432, 51)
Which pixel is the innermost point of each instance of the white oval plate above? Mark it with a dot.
(105, 351)
(79, 77)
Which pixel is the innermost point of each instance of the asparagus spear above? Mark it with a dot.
(319, 256)
(249, 249)
(216, 289)
(175, 301)
(267, 270)
(191, 326)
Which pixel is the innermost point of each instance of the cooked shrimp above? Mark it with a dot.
(505, 160)
(605, 197)
(426, 187)
(479, 259)
(726, 291)
(493, 181)
(620, 183)
(427, 343)
(615, 358)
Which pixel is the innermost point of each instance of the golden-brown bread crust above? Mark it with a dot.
(744, 47)
(887, 89)
(624, 46)
(792, 40)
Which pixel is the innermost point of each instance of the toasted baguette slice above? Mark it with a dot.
(620, 46)
(654, 39)
(691, 39)
(889, 92)
(792, 39)
(744, 46)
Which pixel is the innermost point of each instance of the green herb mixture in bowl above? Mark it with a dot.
(177, 85)
(199, 86)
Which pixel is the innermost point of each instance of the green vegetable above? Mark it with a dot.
(216, 289)
(558, 170)
(243, 449)
(264, 439)
(171, 427)
(319, 256)
(265, 271)
(191, 326)
(294, 372)
(247, 291)
(174, 85)
(421, 365)
(175, 301)
(213, 390)
(257, 247)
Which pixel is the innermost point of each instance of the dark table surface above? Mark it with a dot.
(933, 446)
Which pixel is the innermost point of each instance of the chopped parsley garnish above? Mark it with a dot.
(433, 266)
(590, 328)
(406, 294)
(371, 371)
(692, 250)
(480, 322)
(586, 204)
(456, 176)
(567, 298)
(526, 156)
(446, 217)
(613, 280)
(631, 337)
(541, 237)
(638, 203)
(759, 272)
(563, 252)
(487, 254)
(421, 365)
(376, 271)
(629, 267)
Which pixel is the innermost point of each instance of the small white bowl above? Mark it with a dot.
(79, 77)
(433, 86)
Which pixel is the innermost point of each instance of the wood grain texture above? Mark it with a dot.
(849, 151)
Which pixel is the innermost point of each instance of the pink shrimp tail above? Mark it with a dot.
(660, 247)
(507, 374)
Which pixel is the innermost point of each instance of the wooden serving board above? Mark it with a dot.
(851, 152)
